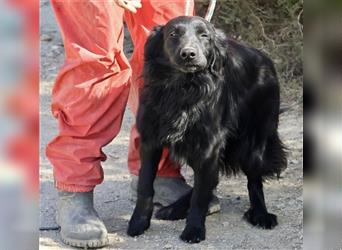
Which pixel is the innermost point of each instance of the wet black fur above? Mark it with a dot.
(221, 118)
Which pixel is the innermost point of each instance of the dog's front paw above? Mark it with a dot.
(261, 219)
(138, 225)
(193, 234)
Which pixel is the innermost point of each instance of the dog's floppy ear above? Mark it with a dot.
(154, 43)
(219, 51)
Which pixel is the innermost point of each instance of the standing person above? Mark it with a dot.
(89, 99)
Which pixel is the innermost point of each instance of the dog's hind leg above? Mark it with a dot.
(140, 220)
(206, 179)
(261, 153)
(262, 162)
(254, 164)
(257, 214)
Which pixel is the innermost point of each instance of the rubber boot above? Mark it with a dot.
(79, 222)
(168, 190)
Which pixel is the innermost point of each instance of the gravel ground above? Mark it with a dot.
(225, 230)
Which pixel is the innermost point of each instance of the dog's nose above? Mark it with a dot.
(188, 53)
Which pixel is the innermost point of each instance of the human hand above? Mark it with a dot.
(131, 5)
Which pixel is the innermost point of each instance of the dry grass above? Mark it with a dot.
(275, 27)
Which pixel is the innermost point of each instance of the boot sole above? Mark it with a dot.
(82, 243)
(85, 243)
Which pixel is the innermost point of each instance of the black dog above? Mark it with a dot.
(215, 104)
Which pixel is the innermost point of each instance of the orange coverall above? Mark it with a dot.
(96, 82)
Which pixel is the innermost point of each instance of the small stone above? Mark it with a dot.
(167, 246)
(295, 162)
(45, 38)
(238, 198)
(225, 224)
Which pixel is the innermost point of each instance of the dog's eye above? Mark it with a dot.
(172, 34)
(205, 35)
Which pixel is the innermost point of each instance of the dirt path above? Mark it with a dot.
(224, 231)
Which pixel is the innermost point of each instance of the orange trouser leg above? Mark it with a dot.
(152, 13)
(90, 92)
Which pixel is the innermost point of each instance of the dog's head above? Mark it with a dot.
(188, 44)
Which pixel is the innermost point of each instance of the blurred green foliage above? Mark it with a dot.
(275, 27)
